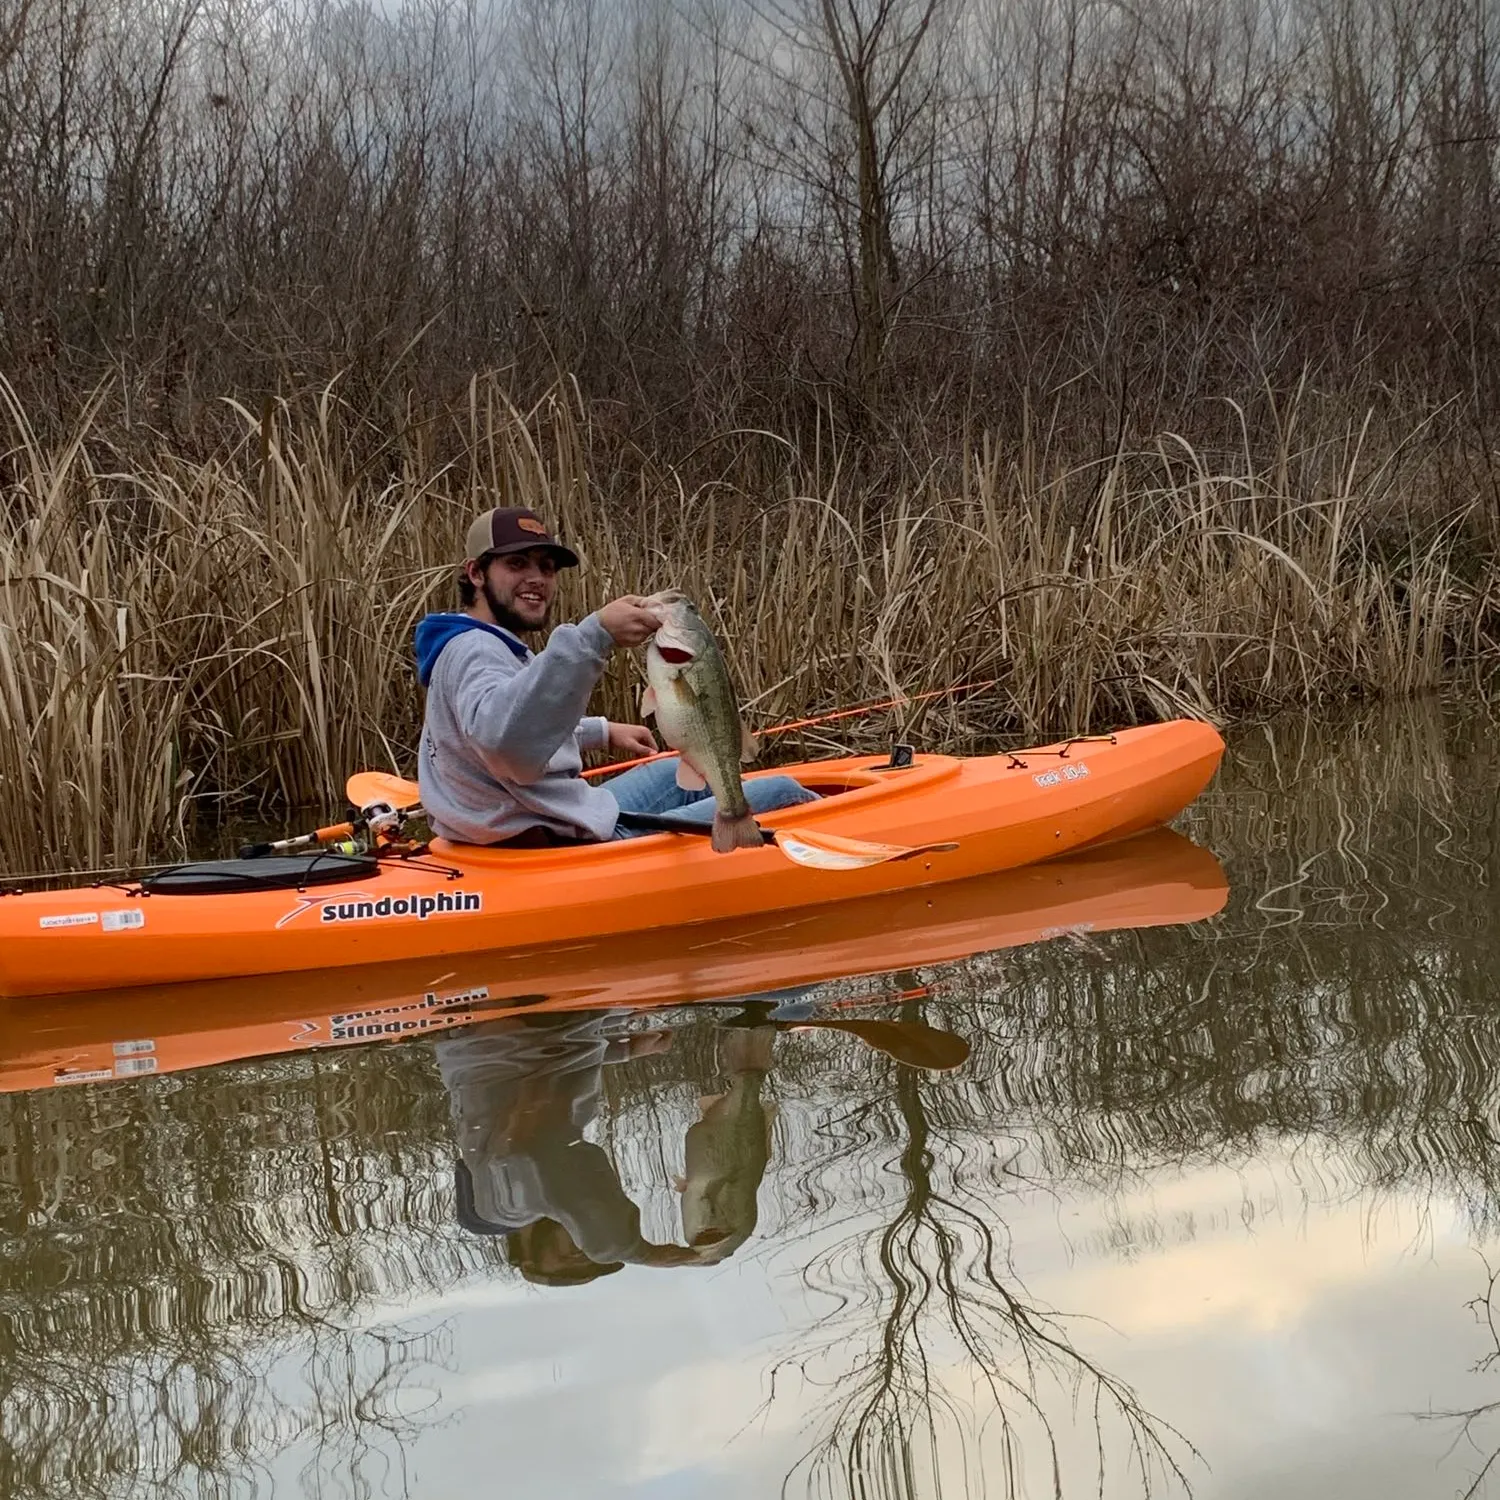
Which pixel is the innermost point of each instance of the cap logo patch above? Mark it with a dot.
(528, 523)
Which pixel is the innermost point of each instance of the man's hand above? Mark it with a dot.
(631, 739)
(629, 620)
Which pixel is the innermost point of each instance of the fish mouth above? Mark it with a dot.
(674, 654)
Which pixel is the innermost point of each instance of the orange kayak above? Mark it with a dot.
(1155, 879)
(1000, 812)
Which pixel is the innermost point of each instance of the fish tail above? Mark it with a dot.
(735, 832)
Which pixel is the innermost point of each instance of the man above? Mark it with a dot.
(505, 730)
(522, 1091)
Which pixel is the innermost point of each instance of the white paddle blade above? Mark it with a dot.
(830, 851)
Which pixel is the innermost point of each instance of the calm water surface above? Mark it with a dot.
(1201, 1208)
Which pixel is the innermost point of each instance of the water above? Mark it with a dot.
(1207, 1207)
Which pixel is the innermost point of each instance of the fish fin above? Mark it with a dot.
(648, 703)
(707, 1102)
(735, 833)
(689, 777)
(749, 745)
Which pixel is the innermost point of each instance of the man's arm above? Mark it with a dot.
(517, 720)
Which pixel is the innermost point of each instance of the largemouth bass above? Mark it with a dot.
(697, 714)
(726, 1153)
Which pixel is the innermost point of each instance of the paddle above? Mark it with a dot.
(365, 788)
(914, 1043)
(803, 846)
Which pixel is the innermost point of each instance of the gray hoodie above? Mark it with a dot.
(504, 735)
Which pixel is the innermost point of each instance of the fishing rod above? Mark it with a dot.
(828, 718)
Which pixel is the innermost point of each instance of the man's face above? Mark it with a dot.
(519, 587)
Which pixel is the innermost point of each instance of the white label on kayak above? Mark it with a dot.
(1063, 773)
(1072, 929)
(130, 1067)
(72, 919)
(133, 1049)
(123, 921)
(360, 908)
(92, 1075)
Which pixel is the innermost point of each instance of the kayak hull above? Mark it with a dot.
(1155, 879)
(1002, 812)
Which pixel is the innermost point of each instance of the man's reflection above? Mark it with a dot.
(524, 1088)
(522, 1091)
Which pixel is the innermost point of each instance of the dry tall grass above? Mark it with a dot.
(233, 633)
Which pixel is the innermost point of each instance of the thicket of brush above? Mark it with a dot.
(1141, 358)
(914, 215)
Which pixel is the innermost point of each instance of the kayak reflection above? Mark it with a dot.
(1151, 880)
(524, 1089)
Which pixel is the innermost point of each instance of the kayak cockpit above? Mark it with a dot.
(846, 786)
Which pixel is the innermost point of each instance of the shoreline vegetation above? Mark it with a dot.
(183, 637)
(1142, 358)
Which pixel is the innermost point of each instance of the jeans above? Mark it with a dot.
(653, 788)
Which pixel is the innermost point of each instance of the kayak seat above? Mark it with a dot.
(223, 877)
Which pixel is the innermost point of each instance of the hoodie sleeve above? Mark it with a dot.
(518, 719)
(593, 733)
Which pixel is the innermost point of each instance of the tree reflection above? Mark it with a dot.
(952, 1314)
(186, 1273)
(1474, 1422)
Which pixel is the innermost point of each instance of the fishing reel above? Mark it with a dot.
(377, 827)
(383, 824)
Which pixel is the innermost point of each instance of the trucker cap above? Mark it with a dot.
(513, 529)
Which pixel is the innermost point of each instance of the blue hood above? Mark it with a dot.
(435, 631)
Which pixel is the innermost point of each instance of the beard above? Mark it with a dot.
(505, 617)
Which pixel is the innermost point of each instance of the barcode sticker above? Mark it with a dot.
(127, 1067)
(122, 921)
(133, 1049)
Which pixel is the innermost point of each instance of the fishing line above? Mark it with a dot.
(97, 877)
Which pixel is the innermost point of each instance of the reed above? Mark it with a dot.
(183, 636)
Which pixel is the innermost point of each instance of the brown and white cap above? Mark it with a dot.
(513, 529)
